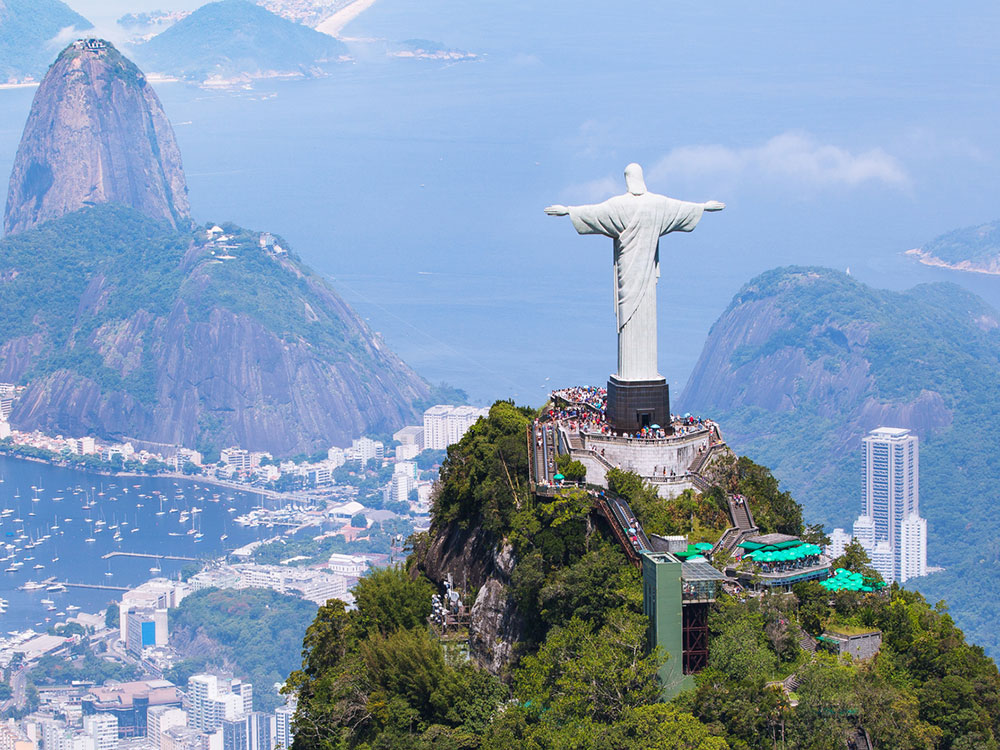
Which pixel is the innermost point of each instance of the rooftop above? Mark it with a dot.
(889, 432)
(123, 694)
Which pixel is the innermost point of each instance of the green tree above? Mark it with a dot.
(111, 615)
(573, 471)
(739, 646)
(856, 560)
(582, 671)
(388, 600)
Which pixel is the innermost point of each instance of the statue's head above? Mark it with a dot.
(633, 179)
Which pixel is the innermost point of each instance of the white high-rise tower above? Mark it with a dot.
(890, 515)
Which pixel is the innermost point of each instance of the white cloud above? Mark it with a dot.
(593, 191)
(65, 36)
(793, 157)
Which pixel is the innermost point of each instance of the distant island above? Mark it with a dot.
(26, 28)
(973, 249)
(234, 42)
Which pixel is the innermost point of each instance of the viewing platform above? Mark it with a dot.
(668, 457)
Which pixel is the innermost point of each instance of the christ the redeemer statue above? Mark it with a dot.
(636, 221)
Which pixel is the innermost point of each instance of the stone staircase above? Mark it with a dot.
(807, 642)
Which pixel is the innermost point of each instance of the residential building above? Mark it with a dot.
(350, 566)
(102, 730)
(913, 549)
(236, 458)
(234, 734)
(336, 456)
(157, 593)
(892, 501)
(85, 446)
(445, 424)
(406, 452)
(864, 532)
(186, 456)
(883, 558)
(161, 718)
(398, 489)
(145, 628)
(365, 450)
(182, 738)
(283, 734)
(839, 539)
(411, 435)
(11, 738)
(214, 699)
(320, 474)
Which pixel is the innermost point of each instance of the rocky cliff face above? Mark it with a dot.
(476, 560)
(122, 328)
(96, 134)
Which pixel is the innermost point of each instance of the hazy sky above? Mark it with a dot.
(838, 134)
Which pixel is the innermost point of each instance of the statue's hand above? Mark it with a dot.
(713, 206)
(556, 210)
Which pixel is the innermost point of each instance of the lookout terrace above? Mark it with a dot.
(669, 457)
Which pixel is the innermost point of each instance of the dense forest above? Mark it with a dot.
(583, 677)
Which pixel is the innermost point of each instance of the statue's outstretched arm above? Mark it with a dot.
(557, 210)
(713, 205)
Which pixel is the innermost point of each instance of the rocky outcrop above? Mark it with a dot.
(476, 561)
(96, 134)
(791, 344)
(254, 351)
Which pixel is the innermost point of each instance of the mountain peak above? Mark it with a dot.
(96, 133)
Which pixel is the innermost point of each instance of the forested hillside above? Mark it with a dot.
(121, 326)
(805, 361)
(580, 674)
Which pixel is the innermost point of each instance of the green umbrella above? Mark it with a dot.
(703, 546)
(557, 477)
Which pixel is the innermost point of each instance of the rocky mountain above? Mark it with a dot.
(96, 133)
(805, 361)
(975, 249)
(236, 40)
(124, 321)
(28, 28)
(123, 327)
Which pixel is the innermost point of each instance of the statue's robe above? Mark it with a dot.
(636, 223)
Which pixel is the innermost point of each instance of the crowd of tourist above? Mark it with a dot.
(585, 411)
(596, 398)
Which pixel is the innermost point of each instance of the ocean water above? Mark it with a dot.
(417, 186)
(69, 507)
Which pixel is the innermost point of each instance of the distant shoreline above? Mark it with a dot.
(196, 478)
(336, 23)
(928, 259)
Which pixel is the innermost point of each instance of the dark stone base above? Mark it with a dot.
(635, 404)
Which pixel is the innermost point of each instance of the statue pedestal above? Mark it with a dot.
(634, 404)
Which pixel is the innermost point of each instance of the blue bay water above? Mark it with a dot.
(128, 503)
